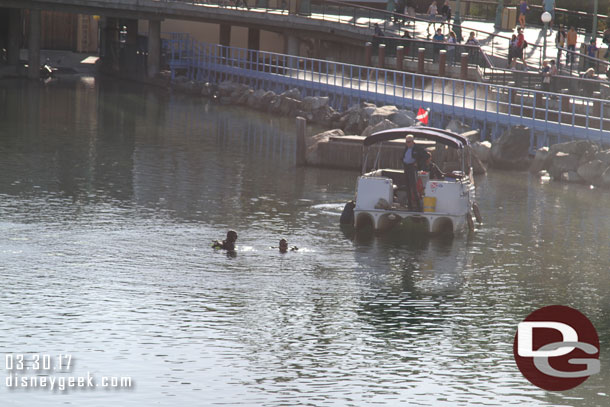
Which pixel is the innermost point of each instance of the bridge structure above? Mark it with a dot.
(551, 117)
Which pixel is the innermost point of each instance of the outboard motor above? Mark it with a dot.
(347, 216)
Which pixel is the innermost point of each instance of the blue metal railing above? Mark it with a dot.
(551, 117)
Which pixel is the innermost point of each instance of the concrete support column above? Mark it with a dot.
(464, 66)
(225, 35)
(254, 39)
(34, 45)
(442, 62)
(304, 7)
(381, 56)
(291, 44)
(154, 47)
(368, 54)
(400, 56)
(131, 46)
(14, 35)
(421, 52)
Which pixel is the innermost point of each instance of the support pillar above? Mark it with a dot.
(34, 45)
(225, 39)
(154, 47)
(254, 39)
(291, 44)
(421, 52)
(304, 7)
(14, 36)
(442, 62)
(368, 54)
(130, 59)
(464, 66)
(400, 56)
(381, 56)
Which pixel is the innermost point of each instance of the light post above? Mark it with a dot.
(546, 19)
(457, 22)
(499, 10)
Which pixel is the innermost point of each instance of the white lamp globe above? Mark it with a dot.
(546, 17)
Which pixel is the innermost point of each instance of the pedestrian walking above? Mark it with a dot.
(452, 41)
(519, 49)
(592, 53)
(432, 12)
(446, 15)
(512, 46)
(560, 42)
(571, 40)
(523, 9)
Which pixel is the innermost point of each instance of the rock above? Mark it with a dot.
(382, 113)
(563, 162)
(323, 115)
(458, 127)
(403, 118)
(352, 121)
(592, 171)
(603, 156)
(312, 157)
(384, 125)
(243, 99)
(293, 93)
(540, 160)
(267, 98)
(605, 178)
(311, 103)
(482, 149)
(477, 165)
(511, 150)
(367, 112)
(571, 176)
(254, 99)
(289, 106)
(274, 104)
(226, 88)
(208, 89)
(578, 147)
(383, 204)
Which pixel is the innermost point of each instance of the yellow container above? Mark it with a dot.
(429, 203)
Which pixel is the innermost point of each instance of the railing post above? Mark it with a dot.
(597, 110)
(565, 102)
(381, 56)
(442, 61)
(400, 55)
(368, 53)
(464, 66)
(420, 60)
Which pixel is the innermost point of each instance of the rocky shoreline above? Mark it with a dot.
(578, 161)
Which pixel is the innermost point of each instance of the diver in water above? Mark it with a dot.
(284, 246)
(228, 243)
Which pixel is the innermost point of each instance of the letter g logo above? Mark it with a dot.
(556, 348)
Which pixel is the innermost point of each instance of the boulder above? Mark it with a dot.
(511, 150)
(563, 162)
(293, 93)
(274, 104)
(578, 148)
(603, 156)
(384, 125)
(592, 171)
(226, 88)
(540, 161)
(312, 157)
(323, 115)
(382, 113)
(208, 89)
(289, 106)
(403, 118)
(571, 176)
(458, 127)
(482, 149)
(254, 99)
(243, 99)
(311, 103)
(352, 121)
(267, 98)
(367, 112)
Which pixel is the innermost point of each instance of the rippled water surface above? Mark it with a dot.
(110, 195)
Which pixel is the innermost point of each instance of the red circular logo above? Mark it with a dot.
(556, 348)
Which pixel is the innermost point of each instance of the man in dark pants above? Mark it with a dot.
(412, 155)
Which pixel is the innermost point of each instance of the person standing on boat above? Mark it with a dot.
(412, 155)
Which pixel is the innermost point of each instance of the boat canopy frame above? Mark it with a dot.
(444, 137)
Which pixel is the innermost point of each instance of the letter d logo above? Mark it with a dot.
(556, 348)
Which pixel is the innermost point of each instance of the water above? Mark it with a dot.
(110, 195)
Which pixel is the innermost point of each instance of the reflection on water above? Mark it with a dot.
(110, 196)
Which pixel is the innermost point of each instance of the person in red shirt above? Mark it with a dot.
(518, 51)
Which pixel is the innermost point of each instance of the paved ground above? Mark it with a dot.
(494, 47)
